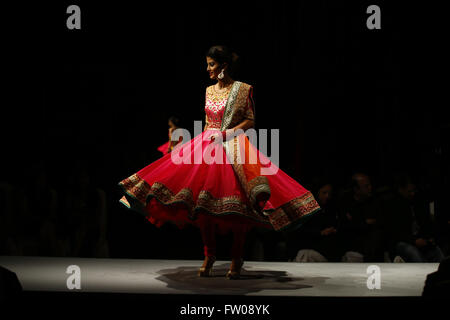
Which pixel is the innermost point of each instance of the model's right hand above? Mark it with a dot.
(214, 136)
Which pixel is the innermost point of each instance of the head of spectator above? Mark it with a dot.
(404, 185)
(361, 186)
(322, 189)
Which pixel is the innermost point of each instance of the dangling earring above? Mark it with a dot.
(221, 75)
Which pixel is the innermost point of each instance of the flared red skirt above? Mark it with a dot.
(182, 188)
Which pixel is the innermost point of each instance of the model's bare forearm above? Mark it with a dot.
(244, 125)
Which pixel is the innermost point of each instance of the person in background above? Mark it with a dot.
(37, 203)
(409, 228)
(174, 123)
(319, 241)
(85, 216)
(361, 222)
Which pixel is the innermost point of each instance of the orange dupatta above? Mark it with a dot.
(242, 153)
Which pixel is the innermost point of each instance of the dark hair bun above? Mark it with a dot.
(223, 54)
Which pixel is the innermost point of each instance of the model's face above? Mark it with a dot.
(171, 125)
(325, 194)
(213, 68)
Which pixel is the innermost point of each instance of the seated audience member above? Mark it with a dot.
(36, 212)
(361, 224)
(409, 228)
(8, 245)
(442, 213)
(85, 216)
(317, 241)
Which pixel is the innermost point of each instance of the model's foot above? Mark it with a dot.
(206, 269)
(235, 269)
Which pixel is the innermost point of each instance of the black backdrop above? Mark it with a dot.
(343, 96)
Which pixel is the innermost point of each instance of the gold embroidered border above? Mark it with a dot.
(235, 108)
(252, 188)
(258, 185)
(226, 118)
(289, 213)
(294, 211)
(137, 188)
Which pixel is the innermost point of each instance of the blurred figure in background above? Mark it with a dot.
(174, 123)
(85, 213)
(319, 241)
(443, 221)
(441, 213)
(361, 223)
(37, 204)
(8, 232)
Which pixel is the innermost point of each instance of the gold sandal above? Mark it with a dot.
(206, 269)
(235, 269)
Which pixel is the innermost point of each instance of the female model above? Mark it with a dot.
(220, 196)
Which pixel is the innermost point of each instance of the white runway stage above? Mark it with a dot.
(258, 278)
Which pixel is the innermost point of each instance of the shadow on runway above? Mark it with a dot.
(251, 281)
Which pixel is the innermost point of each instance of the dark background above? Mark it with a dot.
(343, 96)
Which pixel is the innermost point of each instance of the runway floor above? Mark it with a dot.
(180, 277)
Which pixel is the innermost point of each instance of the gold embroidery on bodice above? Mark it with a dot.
(215, 106)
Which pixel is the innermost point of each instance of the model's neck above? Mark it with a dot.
(221, 83)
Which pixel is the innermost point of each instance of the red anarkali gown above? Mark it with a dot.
(202, 193)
